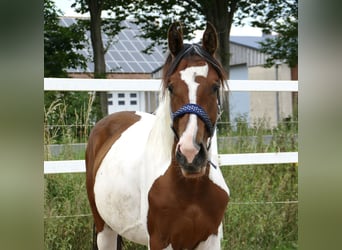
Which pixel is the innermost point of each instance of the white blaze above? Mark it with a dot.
(187, 144)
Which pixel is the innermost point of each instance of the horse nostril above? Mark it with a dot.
(198, 161)
(201, 156)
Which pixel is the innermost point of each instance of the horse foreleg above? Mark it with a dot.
(107, 239)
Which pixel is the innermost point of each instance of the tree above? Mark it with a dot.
(61, 44)
(155, 18)
(280, 17)
(271, 15)
(98, 26)
(60, 53)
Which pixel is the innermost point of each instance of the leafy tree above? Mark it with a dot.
(156, 17)
(63, 108)
(271, 15)
(276, 16)
(98, 26)
(61, 44)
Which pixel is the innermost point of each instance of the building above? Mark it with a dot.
(124, 60)
(247, 64)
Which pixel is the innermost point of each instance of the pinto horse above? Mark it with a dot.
(151, 178)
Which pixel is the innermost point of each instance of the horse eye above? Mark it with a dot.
(216, 87)
(170, 88)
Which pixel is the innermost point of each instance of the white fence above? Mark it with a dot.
(72, 84)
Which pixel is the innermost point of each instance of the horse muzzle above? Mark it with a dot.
(197, 166)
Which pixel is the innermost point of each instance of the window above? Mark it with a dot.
(121, 95)
(121, 103)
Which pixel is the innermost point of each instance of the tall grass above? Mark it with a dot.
(262, 212)
(66, 124)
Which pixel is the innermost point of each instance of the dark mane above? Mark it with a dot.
(188, 50)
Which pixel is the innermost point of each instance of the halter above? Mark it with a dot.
(192, 108)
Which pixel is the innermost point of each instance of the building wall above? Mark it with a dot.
(127, 101)
(239, 101)
(264, 104)
(245, 55)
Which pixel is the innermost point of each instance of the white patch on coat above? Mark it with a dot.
(117, 185)
(213, 243)
(128, 171)
(107, 239)
(187, 144)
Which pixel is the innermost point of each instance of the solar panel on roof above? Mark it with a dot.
(136, 66)
(124, 55)
(129, 46)
(137, 56)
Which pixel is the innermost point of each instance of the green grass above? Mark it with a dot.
(254, 218)
(249, 223)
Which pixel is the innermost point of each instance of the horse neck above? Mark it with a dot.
(161, 137)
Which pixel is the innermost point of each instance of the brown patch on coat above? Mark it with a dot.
(184, 211)
(100, 140)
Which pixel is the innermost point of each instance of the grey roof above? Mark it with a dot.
(249, 41)
(125, 53)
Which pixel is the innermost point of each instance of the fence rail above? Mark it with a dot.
(73, 84)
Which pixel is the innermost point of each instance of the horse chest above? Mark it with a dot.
(184, 214)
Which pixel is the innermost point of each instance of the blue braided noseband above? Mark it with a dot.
(192, 108)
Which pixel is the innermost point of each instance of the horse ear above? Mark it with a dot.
(209, 40)
(175, 38)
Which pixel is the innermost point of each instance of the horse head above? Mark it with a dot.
(193, 78)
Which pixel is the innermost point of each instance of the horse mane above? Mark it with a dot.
(161, 137)
(188, 50)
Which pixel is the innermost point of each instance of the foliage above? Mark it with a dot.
(118, 10)
(65, 196)
(156, 17)
(68, 122)
(259, 137)
(97, 26)
(61, 44)
(263, 212)
(276, 16)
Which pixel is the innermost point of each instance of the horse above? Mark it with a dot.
(151, 178)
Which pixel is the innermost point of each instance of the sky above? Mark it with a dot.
(64, 6)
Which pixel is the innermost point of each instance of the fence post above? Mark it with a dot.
(214, 151)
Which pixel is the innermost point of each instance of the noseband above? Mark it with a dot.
(192, 108)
